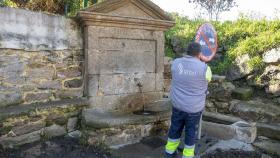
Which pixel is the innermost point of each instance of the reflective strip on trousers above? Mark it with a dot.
(172, 145)
(188, 151)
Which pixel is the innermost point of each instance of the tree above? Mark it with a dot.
(215, 7)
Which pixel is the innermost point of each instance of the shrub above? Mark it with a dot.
(243, 36)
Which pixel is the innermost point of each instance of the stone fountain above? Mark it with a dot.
(124, 50)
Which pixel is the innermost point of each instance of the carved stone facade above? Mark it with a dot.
(124, 47)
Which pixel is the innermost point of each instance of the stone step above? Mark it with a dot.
(241, 131)
(269, 130)
(220, 118)
(256, 111)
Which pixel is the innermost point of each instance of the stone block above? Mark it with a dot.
(159, 83)
(269, 130)
(69, 72)
(56, 119)
(7, 99)
(44, 85)
(29, 127)
(68, 94)
(273, 89)
(116, 61)
(124, 102)
(122, 83)
(40, 72)
(272, 56)
(269, 146)
(72, 124)
(220, 91)
(11, 142)
(75, 134)
(93, 85)
(34, 35)
(240, 68)
(221, 105)
(256, 111)
(245, 132)
(54, 131)
(242, 93)
(37, 97)
(73, 83)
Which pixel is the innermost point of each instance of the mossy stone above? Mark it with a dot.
(242, 93)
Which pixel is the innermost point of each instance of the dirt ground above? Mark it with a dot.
(57, 148)
(233, 154)
(72, 148)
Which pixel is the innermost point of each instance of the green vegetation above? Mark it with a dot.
(235, 38)
(67, 7)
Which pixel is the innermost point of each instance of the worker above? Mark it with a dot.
(190, 77)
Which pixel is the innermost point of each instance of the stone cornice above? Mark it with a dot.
(145, 5)
(100, 19)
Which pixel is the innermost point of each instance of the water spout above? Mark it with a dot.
(143, 111)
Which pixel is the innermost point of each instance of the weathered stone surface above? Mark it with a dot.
(26, 109)
(75, 134)
(29, 127)
(7, 99)
(269, 130)
(129, 134)
(272, 56)
(50, 85)
(74, 83)
(40, 72)
(273, 89)
(69, 72)
(135, 56)
(57, 119)
(270, 146)
(222, 107)
(36, 35)
(220, 91)
(123, 83)
(103, 119)
(34, 97)
(241, 131)
(257, 111)
(10, 142)
(68, 94)
(229, 145)
(240, 68)
(124, 102)
(220, 118)
(167, 85)
(72, 124)
(242, 93)
(119, 58)
(245, 132)
(54, 131)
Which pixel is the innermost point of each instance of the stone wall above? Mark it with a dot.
(41, 57)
